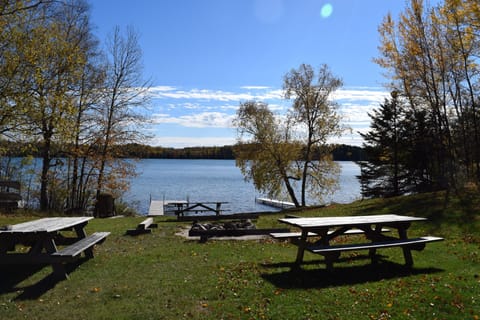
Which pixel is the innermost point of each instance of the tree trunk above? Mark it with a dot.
(46, 159)
(291, 192)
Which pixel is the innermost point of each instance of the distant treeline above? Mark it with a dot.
(340, 152)
(149, 152)
(134, 150)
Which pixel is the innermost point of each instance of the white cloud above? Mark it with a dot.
(166, 92)
(255, 87)
(200, 120)
(356, 104)
(199, 94)
(276, 107)
(374, 95)
(205, 108)
(229, 107)
(356, 113)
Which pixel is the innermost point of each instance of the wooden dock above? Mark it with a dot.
(276, 203)
(156, 208)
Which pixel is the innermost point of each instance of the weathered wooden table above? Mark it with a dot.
(326, 229)
(199, 207)
(43, 237)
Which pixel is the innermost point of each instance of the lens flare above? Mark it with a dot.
(326, 11)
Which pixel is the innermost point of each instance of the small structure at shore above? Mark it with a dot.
(10, 198)
(276, 203)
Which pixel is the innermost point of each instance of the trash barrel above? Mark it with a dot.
(105, 206)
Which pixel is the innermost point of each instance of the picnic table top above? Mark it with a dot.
(46, 225)
(319, 222)
(204, 202)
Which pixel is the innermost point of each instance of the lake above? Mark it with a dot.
(213, 180)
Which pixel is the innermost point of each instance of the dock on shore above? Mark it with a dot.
(156, 208)
(276, 203)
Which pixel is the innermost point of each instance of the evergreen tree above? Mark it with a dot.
(384, 175)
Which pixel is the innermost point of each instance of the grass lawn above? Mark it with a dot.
(164, 276)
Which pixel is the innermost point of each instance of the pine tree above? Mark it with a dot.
(384, 175)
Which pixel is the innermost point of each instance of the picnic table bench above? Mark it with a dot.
(44, 237)
(143, 227)
(373, 227)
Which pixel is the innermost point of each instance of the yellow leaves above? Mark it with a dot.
(388, 25)
(389, 47)
(95, 290)
(415, 49)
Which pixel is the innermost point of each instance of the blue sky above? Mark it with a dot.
(206, 56)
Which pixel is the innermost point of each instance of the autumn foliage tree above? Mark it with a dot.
(430, 55)
(314, 113)
(279, 153)
(51, 53)
(117, 114)
(58, 95)
(268, 155)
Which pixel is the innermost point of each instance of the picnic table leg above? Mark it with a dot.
(407, 253)
(80, 231)
(325, 238)
(58, 268)
(376, 233)
(302, 243)
(331, 257)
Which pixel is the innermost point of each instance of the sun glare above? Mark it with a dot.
(326, 11)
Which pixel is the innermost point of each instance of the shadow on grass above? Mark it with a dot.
(12, 276)
(340, 276)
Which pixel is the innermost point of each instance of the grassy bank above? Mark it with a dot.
(164, 276)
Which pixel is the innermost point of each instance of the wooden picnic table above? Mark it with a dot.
(199, 207)
(326, 229)
(44, 237)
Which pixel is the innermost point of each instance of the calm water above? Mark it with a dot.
(213, 180)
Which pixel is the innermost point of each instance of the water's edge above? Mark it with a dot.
(213, 180)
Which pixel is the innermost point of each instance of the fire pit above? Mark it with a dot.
(228, 229)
